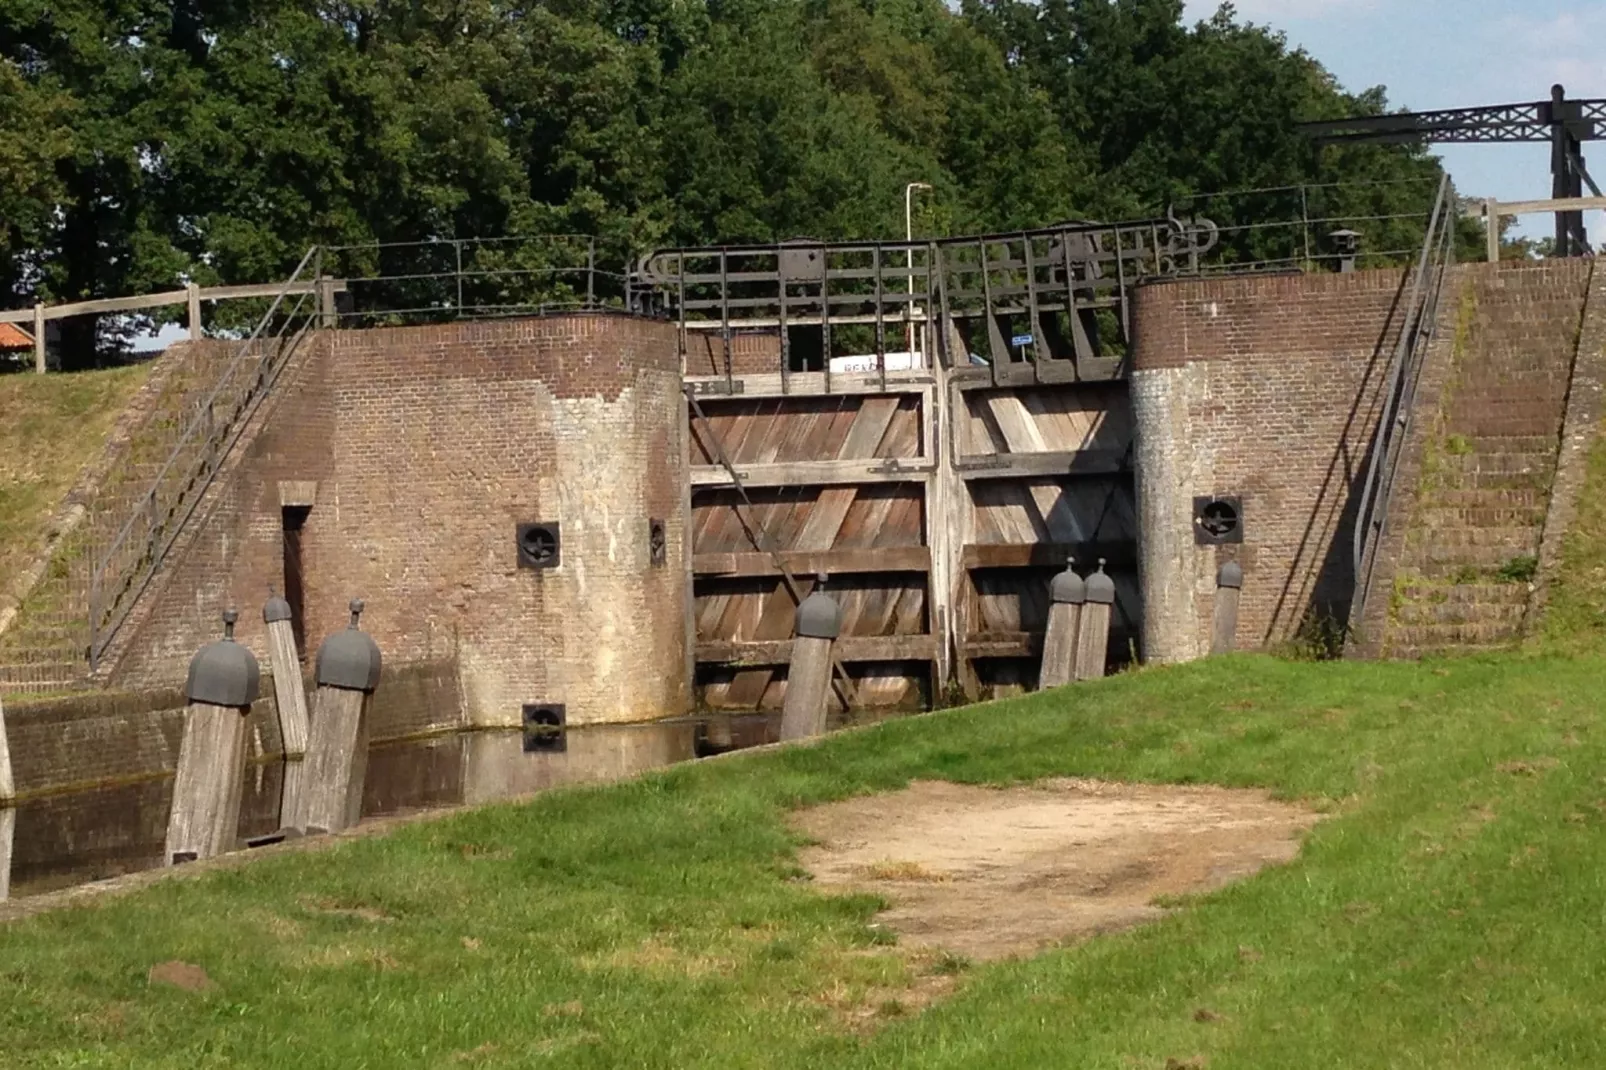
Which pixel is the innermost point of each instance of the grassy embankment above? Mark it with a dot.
(51, 426)
(1448, 913)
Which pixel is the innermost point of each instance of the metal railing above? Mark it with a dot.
(1405, 371)
(1027, 297)
(398, 283)
(123, 570)
(1293, 228)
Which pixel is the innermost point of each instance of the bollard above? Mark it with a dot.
(808, 679)
(8, 813)
(1066, 593)
(1093, 632)
(337, 746)
(8, 841)
(8, 785)
(291, 698)
(1224, 622)
(224, 680)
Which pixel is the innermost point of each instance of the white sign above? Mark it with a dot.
(896, 362)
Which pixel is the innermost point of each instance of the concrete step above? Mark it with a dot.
(1464, 563)
(1537, 480)
(1490, 498)
(1423, 589)
(1523, 538)
(42, 678)
(1512, 424)
(1459, 636)
(1436, 517)
(1419, 614)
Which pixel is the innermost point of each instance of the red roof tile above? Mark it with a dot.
(11, 337)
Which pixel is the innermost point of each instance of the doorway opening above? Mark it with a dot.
(293, 520)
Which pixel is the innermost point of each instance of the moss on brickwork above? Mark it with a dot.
(1575, 616)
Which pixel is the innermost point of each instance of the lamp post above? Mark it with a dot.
(909, 261)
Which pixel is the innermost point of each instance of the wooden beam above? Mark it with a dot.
(1481, 209)
(109, 305)
(835, 562)
(1046, 373)
(269, 289)
(1049, 554)
(1004, 645)
(814, 473)
(847, 648)
(713, 388)
(1037, 465)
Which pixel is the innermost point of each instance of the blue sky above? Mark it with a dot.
(1459, 53)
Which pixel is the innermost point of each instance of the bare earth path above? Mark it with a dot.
(988, 873)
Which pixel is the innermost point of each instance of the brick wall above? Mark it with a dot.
(1266, 388)
(419, 450)
(61, 745)
(752, 352)
(1467, 524)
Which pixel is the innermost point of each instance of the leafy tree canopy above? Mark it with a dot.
(146, 143)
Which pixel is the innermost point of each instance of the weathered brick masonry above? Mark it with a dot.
(418, 450)
(1465, 531)
(1267, 388)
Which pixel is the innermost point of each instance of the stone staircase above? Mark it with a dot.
(43, 648)
(1472, 545)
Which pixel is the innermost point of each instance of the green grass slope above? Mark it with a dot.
(1449, 913)
(51, 426)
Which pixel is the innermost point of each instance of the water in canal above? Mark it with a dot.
(54, 841)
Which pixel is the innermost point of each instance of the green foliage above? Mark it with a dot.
(1518, 570)
(151, 142)
(1575, 611)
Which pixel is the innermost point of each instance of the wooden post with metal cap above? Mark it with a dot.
(1224, 618)
(808, 677)
(337, 747)
(1066, 594)
(8, 811)
(1093, 634)
(224, 681)
(284, 662)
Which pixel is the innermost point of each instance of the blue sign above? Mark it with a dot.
(1021, 340)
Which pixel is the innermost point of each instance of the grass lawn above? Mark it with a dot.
(51, 426)
(1450, 913)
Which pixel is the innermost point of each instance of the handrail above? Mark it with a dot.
(164, 299)
(116, 585)
(1405, 371)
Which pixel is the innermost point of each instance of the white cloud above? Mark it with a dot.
(1539, 51)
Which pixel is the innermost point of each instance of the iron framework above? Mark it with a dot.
(1035, 301)
(1562, 122)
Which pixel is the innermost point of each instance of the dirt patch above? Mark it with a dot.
(988, 873)
(185, 975)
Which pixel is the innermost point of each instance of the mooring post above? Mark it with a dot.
(8, 812)
(224, 680)
(1093, 632)
(8, 842)
(808, 678)
(1224, 622)
(1066, 593)
(284, 662)
(337, 746)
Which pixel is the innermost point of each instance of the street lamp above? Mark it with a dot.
(909, 260)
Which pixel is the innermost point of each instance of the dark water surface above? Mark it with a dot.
(56, 841)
